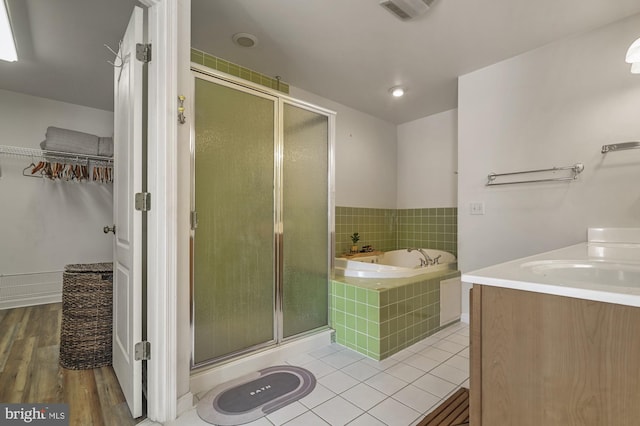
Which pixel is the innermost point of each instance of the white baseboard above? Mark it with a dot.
(147, 422)
(29, 289)
(464, 318)
(30, 301)
(184, 403)
(207, 379)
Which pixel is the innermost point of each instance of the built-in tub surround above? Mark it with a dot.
(379, 317)
(392, 229)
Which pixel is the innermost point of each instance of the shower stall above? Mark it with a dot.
(262, 218)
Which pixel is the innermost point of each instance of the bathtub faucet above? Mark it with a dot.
(423, 262)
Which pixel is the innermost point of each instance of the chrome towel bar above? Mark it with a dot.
(575, 170)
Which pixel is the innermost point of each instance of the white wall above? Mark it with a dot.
(428, 161)
(553, 106)
(365, 155)
(45, 224)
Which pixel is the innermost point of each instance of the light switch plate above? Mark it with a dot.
(476, 208)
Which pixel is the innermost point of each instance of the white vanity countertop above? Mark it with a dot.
(599, 271)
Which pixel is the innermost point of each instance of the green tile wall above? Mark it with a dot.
(380, 322)
(392, 229)
(377, 228)
(203, 58)
(434, 228)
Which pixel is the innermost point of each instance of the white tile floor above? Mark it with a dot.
(352, 389)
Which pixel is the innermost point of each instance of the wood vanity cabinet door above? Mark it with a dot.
(554, 361)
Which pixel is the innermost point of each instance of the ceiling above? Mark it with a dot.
(349, 51)
(60, 49)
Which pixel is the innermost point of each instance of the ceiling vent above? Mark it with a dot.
(406, 9)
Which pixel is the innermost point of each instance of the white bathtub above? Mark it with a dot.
(393, 264)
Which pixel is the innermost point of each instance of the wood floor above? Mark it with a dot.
(452, 412)
(30, 373)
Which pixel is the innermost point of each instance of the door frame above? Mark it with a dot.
(169, 35)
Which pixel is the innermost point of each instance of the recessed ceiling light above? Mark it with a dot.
(397, 91)
(245, 39)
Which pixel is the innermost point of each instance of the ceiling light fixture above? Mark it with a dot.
(633, 57)
(7, 42)
(397, 91)
(245, 39)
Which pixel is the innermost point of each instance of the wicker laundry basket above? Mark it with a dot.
(87, 316)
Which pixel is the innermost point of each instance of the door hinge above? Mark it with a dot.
(143, 201)
(194, 220)
(143, 351)
(143, 52)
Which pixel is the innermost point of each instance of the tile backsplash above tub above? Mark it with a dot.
(393, 229)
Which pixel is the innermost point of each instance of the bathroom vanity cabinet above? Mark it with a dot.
(543, 359)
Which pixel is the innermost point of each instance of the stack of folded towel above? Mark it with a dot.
(65, 140)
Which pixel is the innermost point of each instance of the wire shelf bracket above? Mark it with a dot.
(622, 146)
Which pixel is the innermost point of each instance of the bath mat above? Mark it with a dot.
(255, 395)
(454, 411)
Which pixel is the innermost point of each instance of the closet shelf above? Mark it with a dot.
(65, 157)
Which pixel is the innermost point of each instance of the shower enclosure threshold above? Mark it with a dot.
(205, 378)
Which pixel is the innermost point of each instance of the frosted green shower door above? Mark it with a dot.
(233, 259)
(305, 212)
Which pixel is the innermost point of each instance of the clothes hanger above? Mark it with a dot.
(37, 168)
(30, 166)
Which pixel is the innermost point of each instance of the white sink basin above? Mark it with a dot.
(617, 274)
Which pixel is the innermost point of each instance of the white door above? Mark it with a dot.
(127, 277)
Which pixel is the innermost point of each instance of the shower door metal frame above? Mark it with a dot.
(274, 334)
(331, 116)
(208, 74)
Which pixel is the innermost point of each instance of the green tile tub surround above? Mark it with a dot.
(376, 228)
(393, 229)
(203, 58)
(380, 322)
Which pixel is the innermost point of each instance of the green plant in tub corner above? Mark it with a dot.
(355, 237)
